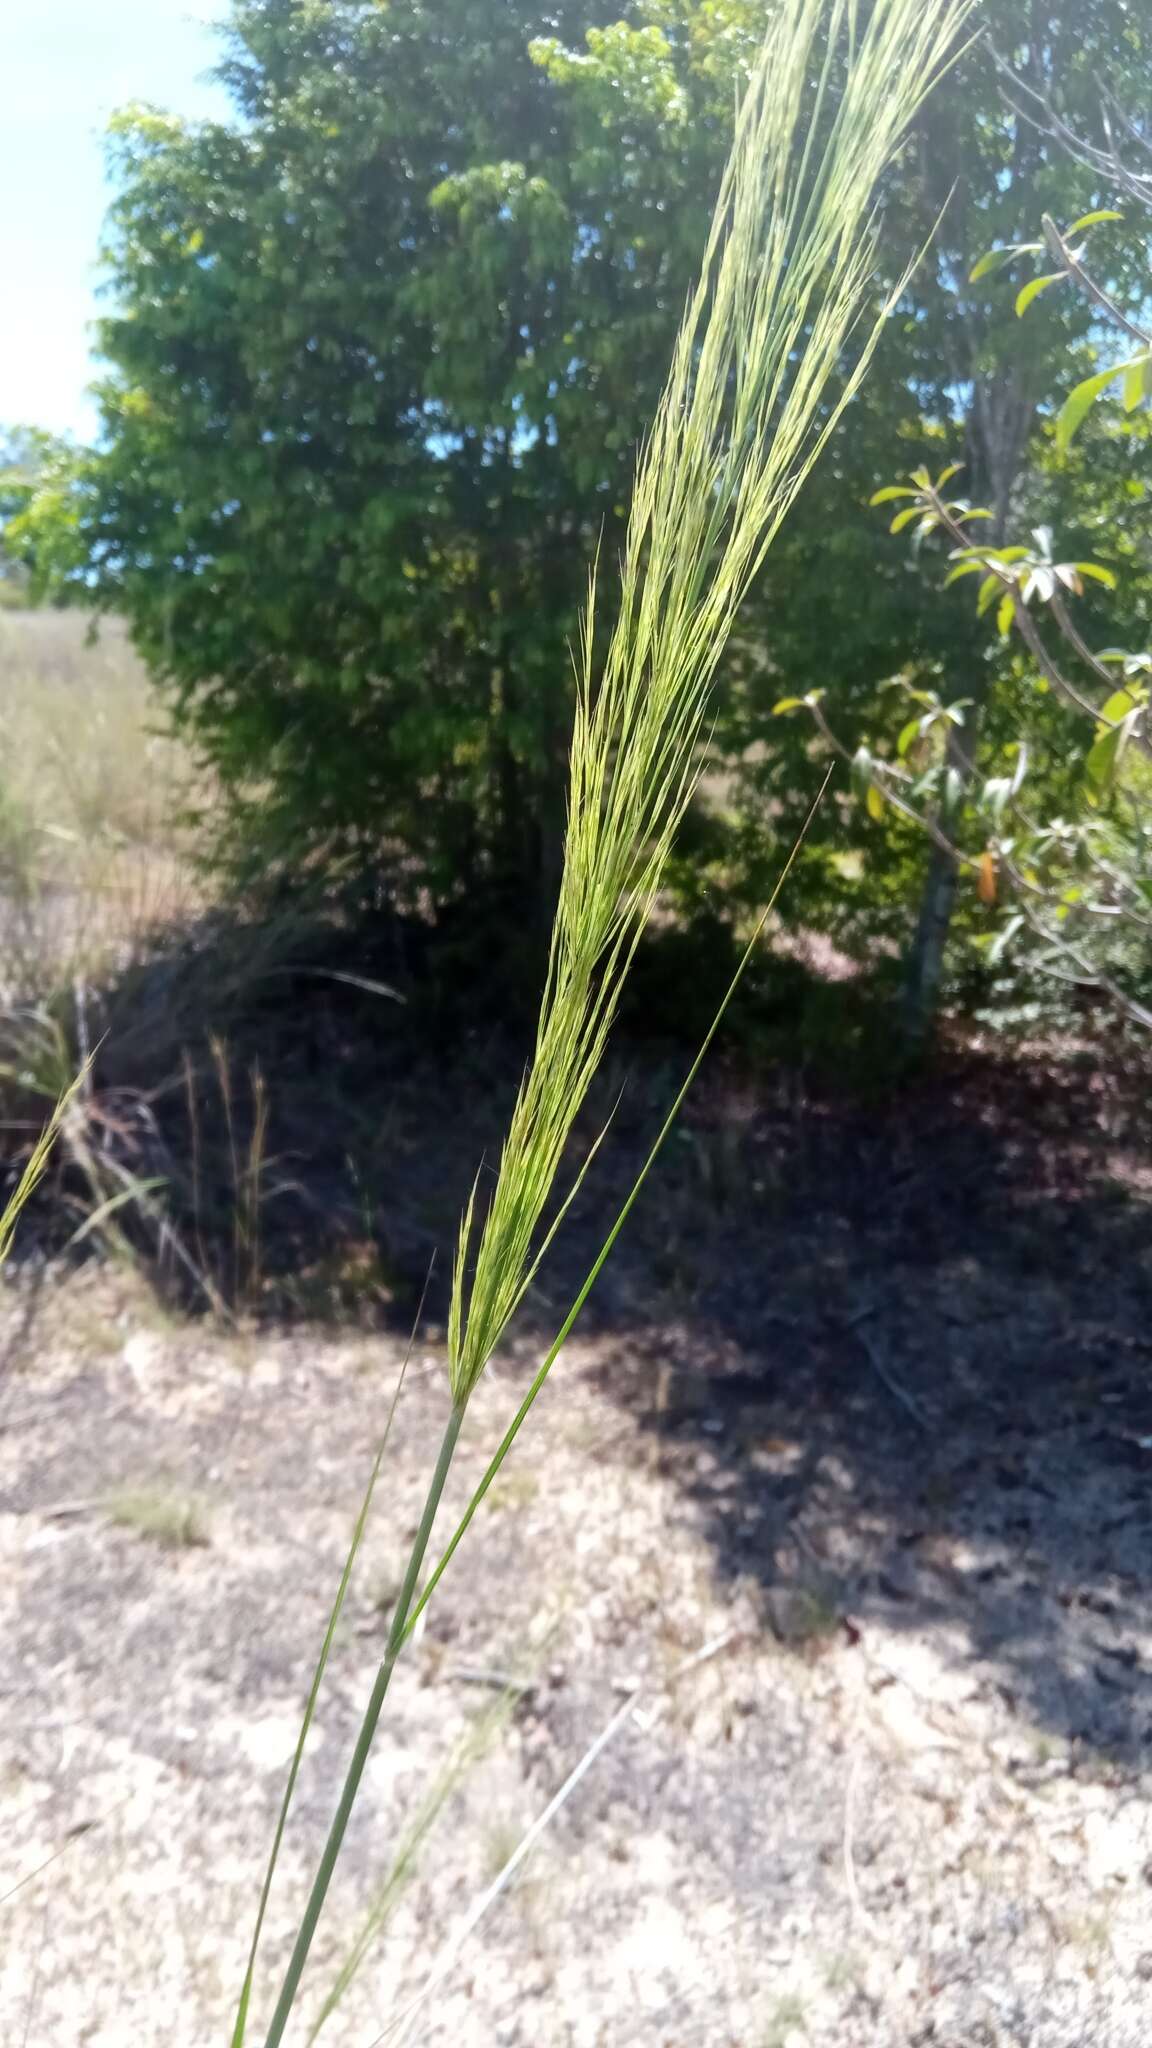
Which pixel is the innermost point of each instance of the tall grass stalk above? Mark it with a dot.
(785, 287)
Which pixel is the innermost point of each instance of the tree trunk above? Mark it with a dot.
(926, 959)
(999, 421)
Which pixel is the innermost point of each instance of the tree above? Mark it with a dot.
(1078, 880)
(33, 464)
(962, 378)
(381, 353)
(380, 357)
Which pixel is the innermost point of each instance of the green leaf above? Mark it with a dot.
(908, 737)
(1033, 290)
(904, 518)
(988, 593)
(1137, 382)
(996, 794)
(1004, 937)
(1090, 220)
(1102, 758)
(972, 568)
(787, 704)
(1098, 573)
(874, 802)
(1119, 704)
(1005, 613)
(995, 259)
(1081, 399)
(862, 771)
(946, 475)
(891, 491)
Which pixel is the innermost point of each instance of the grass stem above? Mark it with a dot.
(364, 1739)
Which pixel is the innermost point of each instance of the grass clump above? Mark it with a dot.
(174, 1521)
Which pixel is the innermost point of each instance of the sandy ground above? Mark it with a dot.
(901, 1799)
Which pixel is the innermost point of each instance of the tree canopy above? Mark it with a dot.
(380, 354)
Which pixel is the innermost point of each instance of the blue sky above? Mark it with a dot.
(66, 65)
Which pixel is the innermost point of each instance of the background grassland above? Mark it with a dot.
(96, 848)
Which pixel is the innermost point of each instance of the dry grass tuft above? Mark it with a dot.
(95, 849)
(175, 1521)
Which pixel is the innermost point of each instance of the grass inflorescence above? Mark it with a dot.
(757, 385)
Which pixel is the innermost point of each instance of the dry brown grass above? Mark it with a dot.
(95, 848)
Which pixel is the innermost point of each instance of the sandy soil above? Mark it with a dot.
(901, 1800)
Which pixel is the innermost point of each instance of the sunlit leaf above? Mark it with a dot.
(1081, 399)
(1004, 937)
(890, 491)
(1033, 289)
(1137, 382)
(1103, 756)
(996, 794)
(995, 259)
(874, 801)
(1119, 704)
(1090, 220)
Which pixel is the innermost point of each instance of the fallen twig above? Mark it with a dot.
(907, 1401)
(626, 1712)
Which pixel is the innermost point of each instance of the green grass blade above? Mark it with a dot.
(37, 1162)
(397, 1636)
(472, 1745)
(241, 2023)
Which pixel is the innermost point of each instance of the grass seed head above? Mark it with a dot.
(785, 285)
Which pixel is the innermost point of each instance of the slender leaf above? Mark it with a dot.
(1091, 220)
(1081, 399)
(1032, 290)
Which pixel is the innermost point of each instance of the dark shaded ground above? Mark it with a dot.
(881, 1364)
(907, 1324)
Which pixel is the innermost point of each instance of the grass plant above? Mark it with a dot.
(756, 387)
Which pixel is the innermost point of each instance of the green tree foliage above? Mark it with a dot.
(1053, 823)
(960, 377)
(36, 468)
(380, 355)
